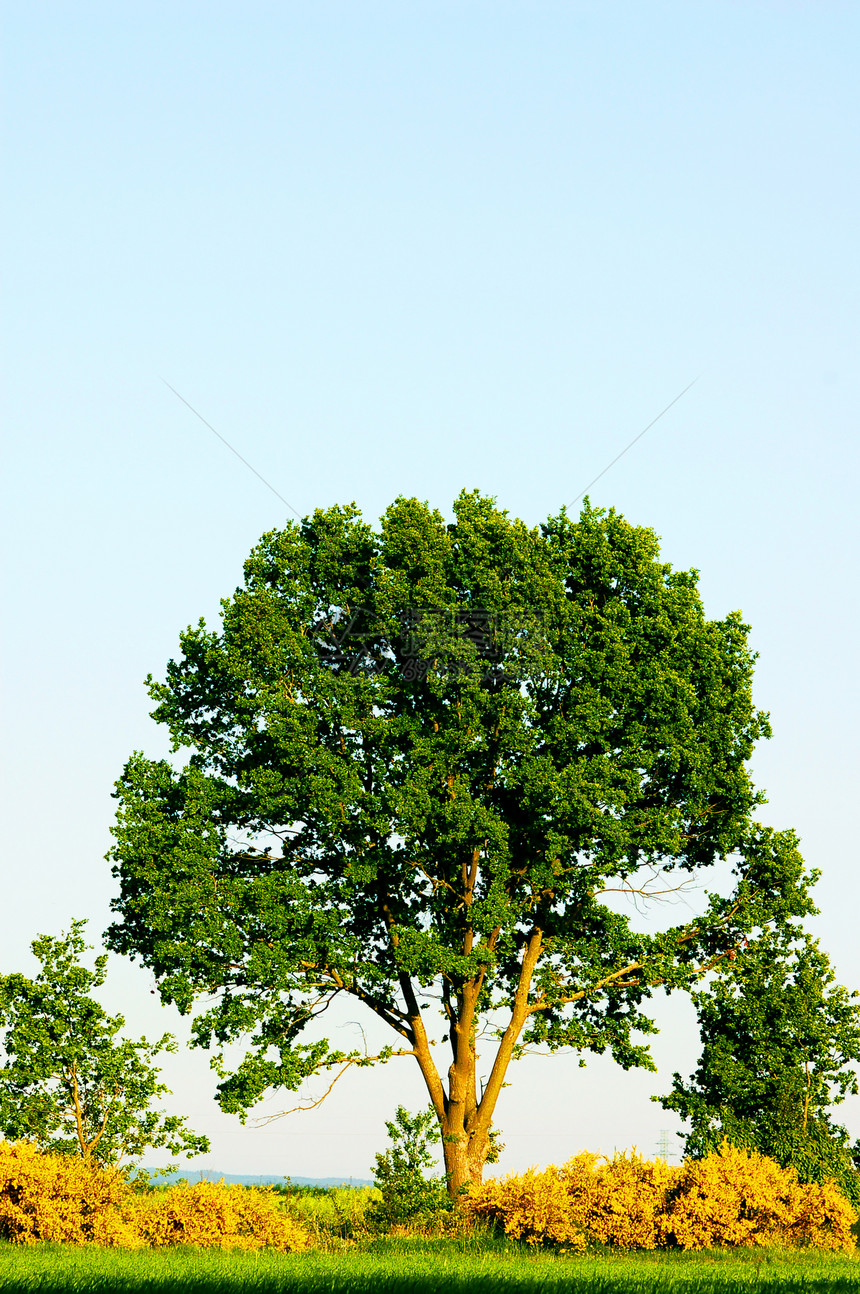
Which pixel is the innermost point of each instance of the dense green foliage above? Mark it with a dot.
(69, 1082)
(779, 1039)
(419, 765)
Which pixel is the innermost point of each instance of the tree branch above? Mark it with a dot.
(263, 1121)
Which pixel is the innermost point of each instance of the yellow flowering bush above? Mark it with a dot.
(216, 1215)
(62, 1198)
(533, 1206)
(731, 1198)
(615, 1202)
(65, 1199)
(823, 1219)
(625, 1199)
(728, 1199)
(738, 1197)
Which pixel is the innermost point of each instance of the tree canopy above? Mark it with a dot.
(69, 1081)
(779, 1040)
(419, 763)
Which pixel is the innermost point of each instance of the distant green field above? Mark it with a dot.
(388, 1267)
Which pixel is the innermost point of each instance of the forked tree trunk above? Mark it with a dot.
(466, 1121)
(465, 1158)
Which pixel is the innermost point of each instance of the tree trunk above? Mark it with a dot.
(465, 1120)
(465, 1155)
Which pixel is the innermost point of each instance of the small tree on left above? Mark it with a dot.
(68, 1081)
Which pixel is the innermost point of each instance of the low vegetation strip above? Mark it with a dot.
(733, 1200)
(399, 1266)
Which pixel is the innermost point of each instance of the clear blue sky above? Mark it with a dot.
(408, 248)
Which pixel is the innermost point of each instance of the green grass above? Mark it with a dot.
(392, 1266)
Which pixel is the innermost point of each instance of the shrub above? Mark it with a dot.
(730, 1198)
(407, 1195)
(215, 1215)
(618, 1202)
(62, 1198)
(533, 1206)
(824, 1218)
(69, 1200)
(739, 1197)
(625, 1198)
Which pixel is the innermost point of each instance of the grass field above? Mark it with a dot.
(391, 1266)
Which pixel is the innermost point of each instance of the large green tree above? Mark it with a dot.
(780, 1039)
(69, 1080)
(419, 764)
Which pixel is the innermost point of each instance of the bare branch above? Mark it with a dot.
(263, 1121)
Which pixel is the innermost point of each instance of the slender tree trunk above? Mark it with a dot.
(84, 1147)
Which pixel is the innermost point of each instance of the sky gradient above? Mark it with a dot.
(406, 249)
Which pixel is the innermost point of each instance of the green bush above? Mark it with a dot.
(407, 1195)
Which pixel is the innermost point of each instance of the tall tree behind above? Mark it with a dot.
(779, 1037)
